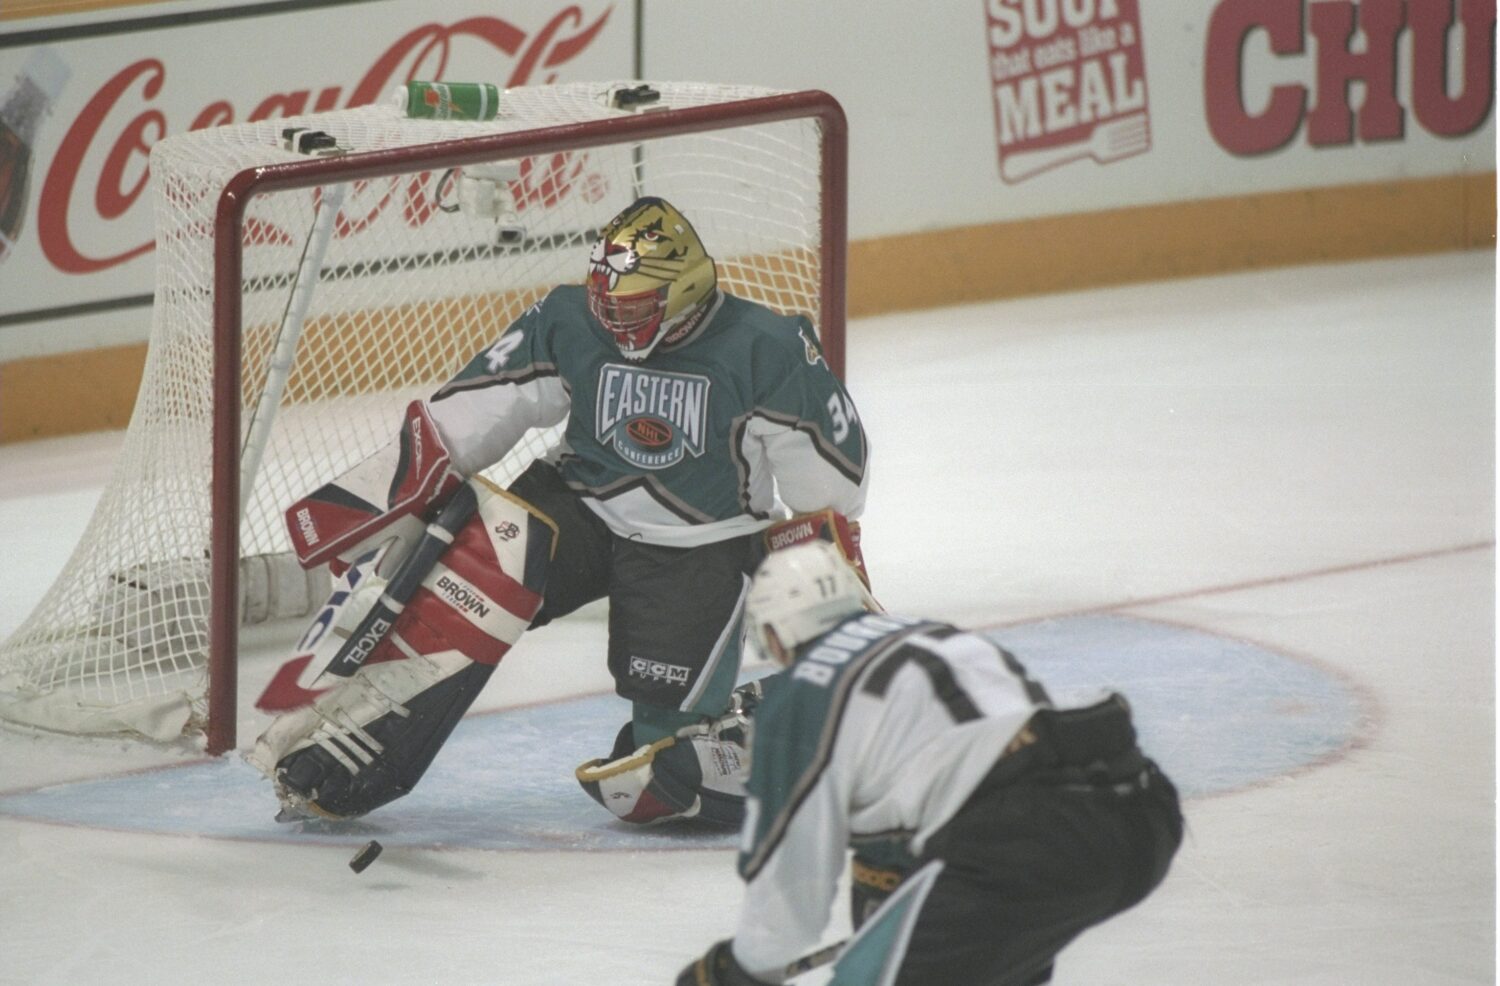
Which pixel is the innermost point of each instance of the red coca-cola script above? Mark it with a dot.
(121, 117)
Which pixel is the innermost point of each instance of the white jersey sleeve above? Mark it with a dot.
(809, 478)
(805, 429)
(505, 391)
(789, 900)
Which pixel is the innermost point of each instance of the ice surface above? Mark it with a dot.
(1262, 505)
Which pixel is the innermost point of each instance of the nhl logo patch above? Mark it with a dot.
(653, 418)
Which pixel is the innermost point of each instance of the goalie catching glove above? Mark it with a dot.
(464, 594)
(699, 772)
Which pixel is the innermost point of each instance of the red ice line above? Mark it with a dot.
(1315, 573)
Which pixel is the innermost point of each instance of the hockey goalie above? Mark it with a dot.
(702, 430)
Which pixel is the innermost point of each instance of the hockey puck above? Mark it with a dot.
(366, 855)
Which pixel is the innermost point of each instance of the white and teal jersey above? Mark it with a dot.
(708, 438)
(882, 728)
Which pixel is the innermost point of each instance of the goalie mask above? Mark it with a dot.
(650, 278)
(800, 593)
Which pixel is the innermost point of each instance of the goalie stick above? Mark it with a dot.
(319, 643)
(329, 201)
(813, 960)
(285, 690)
(288, 334)
(405, 581)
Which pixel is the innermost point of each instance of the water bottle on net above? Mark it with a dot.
(448, 100)
(30, 97)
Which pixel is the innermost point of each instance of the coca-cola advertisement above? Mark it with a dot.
(80, 112)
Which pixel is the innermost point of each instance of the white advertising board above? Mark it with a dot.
(961, 113)
(982, 111)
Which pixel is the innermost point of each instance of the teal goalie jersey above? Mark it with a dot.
(710, 437)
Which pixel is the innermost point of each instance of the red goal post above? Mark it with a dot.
(812, 105)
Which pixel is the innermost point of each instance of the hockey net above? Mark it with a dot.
(302, 301)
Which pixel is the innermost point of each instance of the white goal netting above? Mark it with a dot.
(357, 297)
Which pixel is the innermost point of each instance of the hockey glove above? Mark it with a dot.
(825, 525)
(718, 967)
(878, 867)
(383, 498)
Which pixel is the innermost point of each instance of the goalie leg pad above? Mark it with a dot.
(372, 739)
(411, 677)
(488, 585)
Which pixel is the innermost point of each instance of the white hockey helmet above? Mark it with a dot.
(800, 593)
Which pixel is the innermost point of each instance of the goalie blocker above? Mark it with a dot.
(381, 502)
(821, 525)
(474, 582)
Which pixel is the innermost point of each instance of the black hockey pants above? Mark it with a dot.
(673, 612)
(1076, 827)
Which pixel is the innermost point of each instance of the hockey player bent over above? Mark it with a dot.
(1025, 823)
(700, 426)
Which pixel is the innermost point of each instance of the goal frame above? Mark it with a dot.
(224, 548)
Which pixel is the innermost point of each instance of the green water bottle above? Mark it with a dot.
(448, 100)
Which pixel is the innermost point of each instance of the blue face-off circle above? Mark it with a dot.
(1218, 714)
